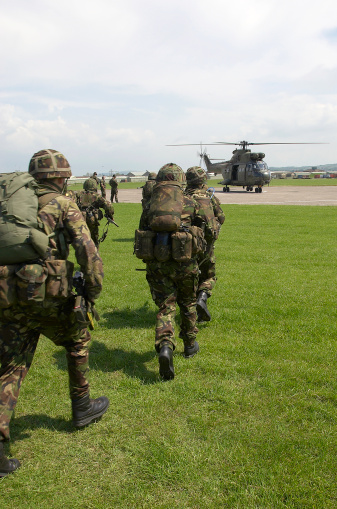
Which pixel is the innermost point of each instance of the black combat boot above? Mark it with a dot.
(190, 350)
(86, 410)
(7, 466)
(166, 369)
(203, 314)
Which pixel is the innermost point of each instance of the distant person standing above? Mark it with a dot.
(114, 188)
(103, 187)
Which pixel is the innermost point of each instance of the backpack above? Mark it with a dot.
(166, 206)
(206, 206)
(21, 233)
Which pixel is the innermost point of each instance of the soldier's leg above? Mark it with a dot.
(76, 341)
(116, 196)
(207, 280)
(164, 294)
(187, 287)
(17, 348)
(207, 277)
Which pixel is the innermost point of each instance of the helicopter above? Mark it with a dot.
(245, 168)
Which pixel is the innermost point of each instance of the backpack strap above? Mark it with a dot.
(46, 198)
(43, 201)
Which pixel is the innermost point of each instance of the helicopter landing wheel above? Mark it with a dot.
(260, 189)
(256, 189)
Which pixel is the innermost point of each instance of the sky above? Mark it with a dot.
(111, 83)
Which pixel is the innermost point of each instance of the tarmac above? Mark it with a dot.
(280, 195)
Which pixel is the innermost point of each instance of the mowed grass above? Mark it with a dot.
(250, 422)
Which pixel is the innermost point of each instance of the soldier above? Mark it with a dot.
(147, 189)
(114, 189)
(22, 322)
(210, 206)
(103, 187)
(90, 204)
(94, 176)
(173, 282)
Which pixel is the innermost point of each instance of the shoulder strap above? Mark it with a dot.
(46, 198)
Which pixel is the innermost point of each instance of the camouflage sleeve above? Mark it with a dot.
(218, 212)
(107, 206)
(85, 250)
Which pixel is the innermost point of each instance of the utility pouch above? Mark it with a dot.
(144, 244)
(30, 283)
(181, 246)
(7, 286)
(162, 247)
(100, 214)
(198, 241)
(59, 281)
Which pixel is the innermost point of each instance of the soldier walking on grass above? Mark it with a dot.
(90, 204)
(172, 268)
(37, 298)
(210, 206)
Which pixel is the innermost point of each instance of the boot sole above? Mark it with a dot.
(80, 423)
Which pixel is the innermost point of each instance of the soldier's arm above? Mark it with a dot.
(85, 250)
(218, 212)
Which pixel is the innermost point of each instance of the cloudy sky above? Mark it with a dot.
(111, 82)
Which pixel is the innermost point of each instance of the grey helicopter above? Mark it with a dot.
(246, 169)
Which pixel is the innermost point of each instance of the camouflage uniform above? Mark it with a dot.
(147, 189)
(114, 189)
(90, 204)
(174, 282)
(94, 176)
(210, 206)
(103, 187)
(22, 323)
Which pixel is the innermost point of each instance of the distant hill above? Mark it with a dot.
(321, 167)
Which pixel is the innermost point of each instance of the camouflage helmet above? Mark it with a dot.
(90, 185)
(195, 176)
(49, 164)
(152, 176)
(171, 171)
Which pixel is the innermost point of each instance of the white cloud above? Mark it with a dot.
(121, 79)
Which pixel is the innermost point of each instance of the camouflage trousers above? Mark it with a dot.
(207, 278)
(173, 283)
(20, 329)
(114, 194)
(94, 232)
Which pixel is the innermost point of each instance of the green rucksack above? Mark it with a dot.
(166, 206)
(21, 234)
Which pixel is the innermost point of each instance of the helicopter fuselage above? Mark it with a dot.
(247, 173)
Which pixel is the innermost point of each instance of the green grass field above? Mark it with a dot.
(250, 422)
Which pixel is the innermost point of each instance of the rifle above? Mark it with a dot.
(105, 229)
(83, 309)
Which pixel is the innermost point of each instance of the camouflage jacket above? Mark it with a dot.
(113, 183)
(89, 199)
(61, 214)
